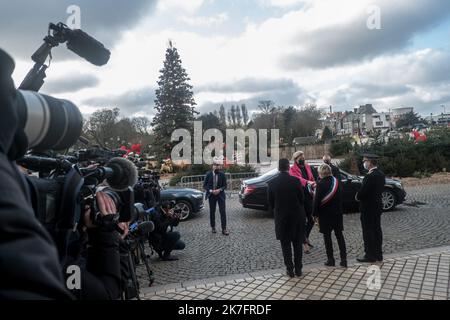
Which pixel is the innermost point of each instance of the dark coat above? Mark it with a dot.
(208, 184)
(29, 265)
(162, 222)
(370, 194)
(336, 172)
(286, 200)
(329, 214)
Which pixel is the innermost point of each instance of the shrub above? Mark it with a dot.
(342, 147)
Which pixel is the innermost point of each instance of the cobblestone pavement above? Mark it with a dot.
(251, 245)
(416, 275)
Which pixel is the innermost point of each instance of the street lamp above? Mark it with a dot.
(443, 108)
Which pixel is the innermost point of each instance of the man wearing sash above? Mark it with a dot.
(327, 212)
(307, 176)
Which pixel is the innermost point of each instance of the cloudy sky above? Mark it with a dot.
(241, 51)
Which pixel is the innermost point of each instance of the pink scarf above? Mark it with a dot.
(296, 172)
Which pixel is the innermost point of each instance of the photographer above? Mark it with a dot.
(100, 262)
(163, 241)
(29, 264)
(29, 267)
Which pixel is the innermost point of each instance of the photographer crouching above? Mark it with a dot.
(162, 240)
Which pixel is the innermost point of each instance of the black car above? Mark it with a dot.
(253, 192)
(189, 201)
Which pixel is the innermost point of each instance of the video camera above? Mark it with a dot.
(65, 185)
(147, 189)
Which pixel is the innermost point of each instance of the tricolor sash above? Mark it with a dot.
(331, 193)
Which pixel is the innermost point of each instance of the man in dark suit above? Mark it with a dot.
(286, 200)
(334, 169)
(215, 184)
(371, 206)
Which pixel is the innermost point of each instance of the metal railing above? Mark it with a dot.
(234, 180)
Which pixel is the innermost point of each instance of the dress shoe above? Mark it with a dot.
(366, 260)
(214, 230)
(298, 273)
(169, 258)
(290, 273)
(225, 232)
(330, 263)
(343, 263)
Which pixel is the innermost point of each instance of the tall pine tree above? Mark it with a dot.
(222, 116)
(174, 103)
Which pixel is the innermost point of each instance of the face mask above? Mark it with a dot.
(366, 165)
(301, 162)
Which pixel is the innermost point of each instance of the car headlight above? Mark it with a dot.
(398, 184)
(198, 195)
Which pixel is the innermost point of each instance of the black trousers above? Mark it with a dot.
(309, 217)
(171, 241)
(213, 200)
(329, 245)
(287, 246)
(372, 235)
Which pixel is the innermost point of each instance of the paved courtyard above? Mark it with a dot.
(422, 275)
(424, 222)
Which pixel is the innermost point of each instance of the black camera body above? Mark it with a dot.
(147, 189)
(63, 189)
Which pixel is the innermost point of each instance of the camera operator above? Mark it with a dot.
(100, 262)
(29, 266)
(162, 240)
(29, 263)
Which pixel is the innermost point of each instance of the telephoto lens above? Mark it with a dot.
(49, 123)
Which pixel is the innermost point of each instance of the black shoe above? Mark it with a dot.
(290, 273)
(298, 273)
(214, 230)
(343, 263)
(366, 260)
(330, 263)
(169, 258)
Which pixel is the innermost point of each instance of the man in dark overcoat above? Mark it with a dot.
(371, 206)
(286, 200)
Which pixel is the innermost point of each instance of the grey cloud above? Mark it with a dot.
(361, 93)
(284, 97)
(353, 42)
(70, 84)
(129, 103)
(23, 23)
(248, 85)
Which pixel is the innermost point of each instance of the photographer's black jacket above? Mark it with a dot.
(162, 222)
(29, 266)
(100, 266)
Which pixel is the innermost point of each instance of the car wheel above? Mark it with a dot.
(185, 208)
(388, 198)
